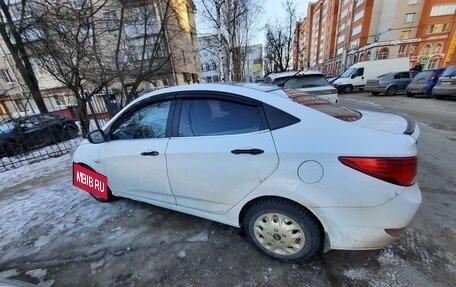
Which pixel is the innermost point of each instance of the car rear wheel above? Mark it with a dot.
(391, 91)
(13, 148)
(282, 230)
(71, 132)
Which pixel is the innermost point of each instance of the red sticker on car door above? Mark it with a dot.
(90, 181)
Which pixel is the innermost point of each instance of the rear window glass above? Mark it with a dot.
(309, 81)
(424, 75)
(321, 105)
(449, 72)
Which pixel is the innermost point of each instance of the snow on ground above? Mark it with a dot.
(32, 171)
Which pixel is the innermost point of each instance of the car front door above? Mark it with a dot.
(220, 152)
(133, 159)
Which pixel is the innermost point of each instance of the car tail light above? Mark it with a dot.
(396, 170)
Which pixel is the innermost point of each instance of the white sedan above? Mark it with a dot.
(295, 172)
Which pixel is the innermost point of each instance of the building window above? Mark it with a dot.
(356, 30)
(111, 20)
(437, 49)
(340, 39)
(412, 2)
(339, 51)
(359, 2)
(401, 50)
(354, 44)
(433, 63)
(344, 13)
(361, 57)
(425, 50)
(409, 17)
(19, 105)
(214, 66)
(405, 34)
(383, 54)
(358, 16)
(444, 9)
(77, 4)
(368, 56)
(413, 49)
(438, 28)
(5, 75)
(342, 26)
(58, 100)
(207, 67)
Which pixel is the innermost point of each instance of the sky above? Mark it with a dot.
(272, 9)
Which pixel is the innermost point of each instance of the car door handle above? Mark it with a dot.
(152, 153)
(253, 151)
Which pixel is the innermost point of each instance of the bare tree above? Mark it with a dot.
(279, 40)
(142, 40)
(14, 26)
(232, 21)
(70, 49)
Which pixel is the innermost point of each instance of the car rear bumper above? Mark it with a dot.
(444, 91)
(361, 228)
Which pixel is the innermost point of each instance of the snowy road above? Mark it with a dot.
(53, 234)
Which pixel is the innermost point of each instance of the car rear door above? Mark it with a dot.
(221, 149)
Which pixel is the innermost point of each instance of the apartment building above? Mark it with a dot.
(423, 30)
(315, 35)
(437, 34)
(139, 30)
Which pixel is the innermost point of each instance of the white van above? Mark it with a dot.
(358, 74)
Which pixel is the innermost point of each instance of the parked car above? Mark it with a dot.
(446, 85)
(35, 131)
(294, 171)
(331, 80)
(311, 82)
(423, 83)
(356, 76)
(389, 84)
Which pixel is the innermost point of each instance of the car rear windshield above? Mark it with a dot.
(424, 75)
(449, 72)
(321, 105)
(306, 81)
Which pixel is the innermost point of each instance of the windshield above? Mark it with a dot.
(308, 81)
(7, 127)
(348, 73)
(449, 72)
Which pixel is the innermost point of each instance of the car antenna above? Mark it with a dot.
(283, 84)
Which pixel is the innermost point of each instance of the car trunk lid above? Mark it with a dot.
(393, 122)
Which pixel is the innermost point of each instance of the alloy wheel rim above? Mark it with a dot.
(279, 234)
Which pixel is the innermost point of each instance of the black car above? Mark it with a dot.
(31, 132)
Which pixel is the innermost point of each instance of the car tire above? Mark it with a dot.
(71, 132)
(110, 196)
(297, 238)
(408, 94)
(375, 93)
(13, 148)
(391, 91)
(348, 89)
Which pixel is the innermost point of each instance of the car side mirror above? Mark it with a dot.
(96, 137)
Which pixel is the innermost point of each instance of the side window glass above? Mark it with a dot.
(146, 122)
(360, 72)
(202, 117)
